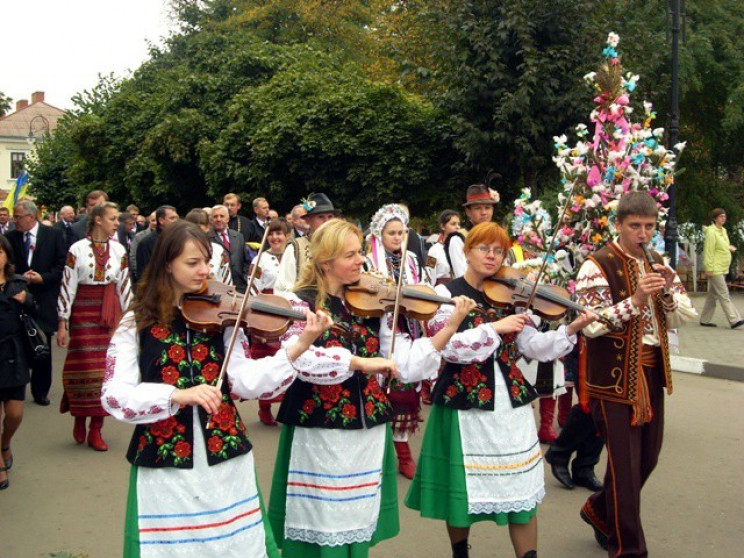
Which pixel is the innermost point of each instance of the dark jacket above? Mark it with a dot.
(13, 353)
(144, 251)
(240, 261)
(68, 232)
(49, 262)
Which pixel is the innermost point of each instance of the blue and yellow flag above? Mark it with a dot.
(18, 191)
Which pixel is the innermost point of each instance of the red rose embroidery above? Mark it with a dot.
(373, 387)
(176, 353)
(225, 417)
(515, 391)
(372, 345)
(164, 428)
(214, 444)
(478, 320)
(182, 449)
(159, 441)
(349, 411)
(484, 394)
(142, 443)
(210, 371)
(470, 376)
(369, 408)
(333, 343)
(180, 429)
(451, 391)
(308, 407)
(233, 431)
(330, 393)
(199, 352)
(170, 375)
(345, 393)
(160, 332)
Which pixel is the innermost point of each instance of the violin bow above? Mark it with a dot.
(243, 306)
(398, 294)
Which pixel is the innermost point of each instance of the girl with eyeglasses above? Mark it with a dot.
(481, 459)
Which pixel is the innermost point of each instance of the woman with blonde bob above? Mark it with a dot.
(334, 488)
(480, 459)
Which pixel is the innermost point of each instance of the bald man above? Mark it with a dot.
(65, 222)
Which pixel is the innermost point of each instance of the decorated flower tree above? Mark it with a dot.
(612, 156)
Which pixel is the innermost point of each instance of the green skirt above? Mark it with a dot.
(388, 525)
(438, 490)
(131, 525)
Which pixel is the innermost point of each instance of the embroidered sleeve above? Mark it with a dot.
(317, 365)
(261, 378)
(123, 395)
(287, 273)
(545, 346)
(416, 360)
(68, 289)
(123, 283)
(593, 291)
(225, 274)
(457, 257)
(679, 309)
(465, 347)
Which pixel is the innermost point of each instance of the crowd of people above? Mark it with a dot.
(111, 285)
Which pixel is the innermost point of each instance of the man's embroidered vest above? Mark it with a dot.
(184, 358)
(358, 402)
(302, 253)
(471, 386)
(614, 359)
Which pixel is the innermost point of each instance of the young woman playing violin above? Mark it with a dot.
(192, 485)
(334, 492)
(384, 257)
(481, 459)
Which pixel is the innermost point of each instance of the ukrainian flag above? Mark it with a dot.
(18, 191)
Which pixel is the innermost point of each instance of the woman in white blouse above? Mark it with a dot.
(95, 291)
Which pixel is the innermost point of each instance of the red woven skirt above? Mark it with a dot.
(82, 375)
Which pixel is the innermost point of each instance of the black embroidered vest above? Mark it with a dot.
(471, 386)
(358, 402)
(185, 358)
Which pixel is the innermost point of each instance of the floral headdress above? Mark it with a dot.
(386, 213)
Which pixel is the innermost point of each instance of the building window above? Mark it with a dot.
(17, 163)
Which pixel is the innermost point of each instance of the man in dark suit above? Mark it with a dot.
(126, 230)
(80, 228)
(164, 215)
(39, 254)
(65, 223)
(6, 223)
(237, 222)
(234, 243)
(259, 222)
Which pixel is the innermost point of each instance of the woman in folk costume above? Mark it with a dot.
(219, 263)
(481, 459)
(334, 492)
(95, 291)
(192, 488)
(437, 266)
(268, 270)
(384, 244)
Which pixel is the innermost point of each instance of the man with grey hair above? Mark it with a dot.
(66, 220)
(233, 243)
(39, 254)
(299, 225)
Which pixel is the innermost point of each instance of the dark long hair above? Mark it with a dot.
(8, 249)
(155, 299)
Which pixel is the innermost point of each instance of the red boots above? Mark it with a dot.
(546, 433)
(406, 464)
(264, 413)
(564, 406)
(79, 430)
(95, 440)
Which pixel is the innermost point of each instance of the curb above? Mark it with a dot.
(705, 368)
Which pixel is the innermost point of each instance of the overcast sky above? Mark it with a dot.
(61, 46)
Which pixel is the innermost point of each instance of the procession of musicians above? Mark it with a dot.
(508, 387)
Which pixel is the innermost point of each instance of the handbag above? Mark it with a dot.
(37, 342)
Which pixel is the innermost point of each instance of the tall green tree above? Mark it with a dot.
(6, 103)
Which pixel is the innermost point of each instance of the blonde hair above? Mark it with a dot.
(326, 244)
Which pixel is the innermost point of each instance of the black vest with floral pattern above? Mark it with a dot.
(471, 386)
(184, 358)
(358, 402)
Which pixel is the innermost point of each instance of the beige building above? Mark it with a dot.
(19, 131)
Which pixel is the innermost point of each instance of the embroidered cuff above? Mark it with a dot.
(172, 407)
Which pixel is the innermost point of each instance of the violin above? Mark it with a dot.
(216, 306)
(509, 288)
(373, 296)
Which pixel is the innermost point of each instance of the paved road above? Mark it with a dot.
(65, 497)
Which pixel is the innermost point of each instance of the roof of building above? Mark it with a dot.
(21, 122)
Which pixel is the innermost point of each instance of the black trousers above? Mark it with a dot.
(579, 435)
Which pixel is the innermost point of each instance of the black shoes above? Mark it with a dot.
(460, 549)
(559, 469)
(737, 324)
(43, 401)
(587, 479)
(708, 324)
(599, 536)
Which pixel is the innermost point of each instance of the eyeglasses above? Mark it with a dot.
(485, 250)
(19, 217)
